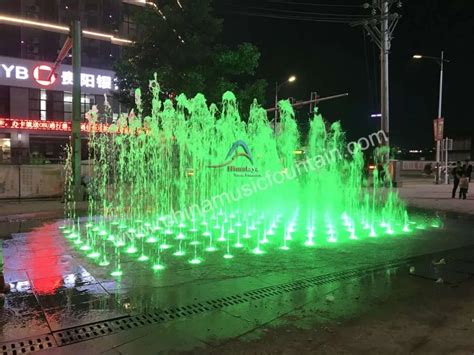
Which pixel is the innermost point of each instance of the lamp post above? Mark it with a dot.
(291, 79)
(440, 60)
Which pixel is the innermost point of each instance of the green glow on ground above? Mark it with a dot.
(152, 186)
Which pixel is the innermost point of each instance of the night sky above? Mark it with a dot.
(333, 58)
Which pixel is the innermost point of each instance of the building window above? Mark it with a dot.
(35, 104)
(5, 148)
(55, 105)
(4, 101)
(87, 101)
(129, 27)
(46, 105)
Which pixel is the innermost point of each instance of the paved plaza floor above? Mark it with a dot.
(63, 302)
(395, 294)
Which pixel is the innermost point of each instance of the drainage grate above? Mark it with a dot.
(91, 331)
(26, 346)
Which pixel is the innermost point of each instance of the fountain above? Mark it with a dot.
(192, 179)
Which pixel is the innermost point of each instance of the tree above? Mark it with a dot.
(181, 44)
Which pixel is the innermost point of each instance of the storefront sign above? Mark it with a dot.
(56, 126)
(32, 74)
(438, 128)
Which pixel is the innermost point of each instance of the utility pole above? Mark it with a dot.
(440, 105)
(312, 98)
(384, 88)
(380, 27)
(76, 109)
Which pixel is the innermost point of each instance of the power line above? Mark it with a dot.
(314, 5)
(298, 18)
(306, 12)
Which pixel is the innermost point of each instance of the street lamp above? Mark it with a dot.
(440, 61)
(291, 79)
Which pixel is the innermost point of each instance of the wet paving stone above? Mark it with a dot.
(78, 314)
(14, 326)
(14, 276)
(21, 316)
(66, 297)
(55, 287)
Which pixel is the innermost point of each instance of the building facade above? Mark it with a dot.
(36, 106)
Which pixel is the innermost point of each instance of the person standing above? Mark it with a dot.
(463, 186)
(468, 170)
(457, 172)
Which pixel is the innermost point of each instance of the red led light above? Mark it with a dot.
(56, 126)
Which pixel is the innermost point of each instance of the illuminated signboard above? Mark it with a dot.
(33, 74)
(57, 126)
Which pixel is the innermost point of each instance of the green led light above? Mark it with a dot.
(151, 240)
(85, 247)
(179, 253)
(284, 247)
(93, 255)
(195, 261)
(131, 250)
(104, 262)
(158, 267)
(309, 243)
(143, 258)
(210, 249)
(165, 246)
(228, 256)
(238, 245)
(257, 251)
(116, 273)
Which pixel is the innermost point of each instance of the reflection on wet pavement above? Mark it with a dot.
(55, 287)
